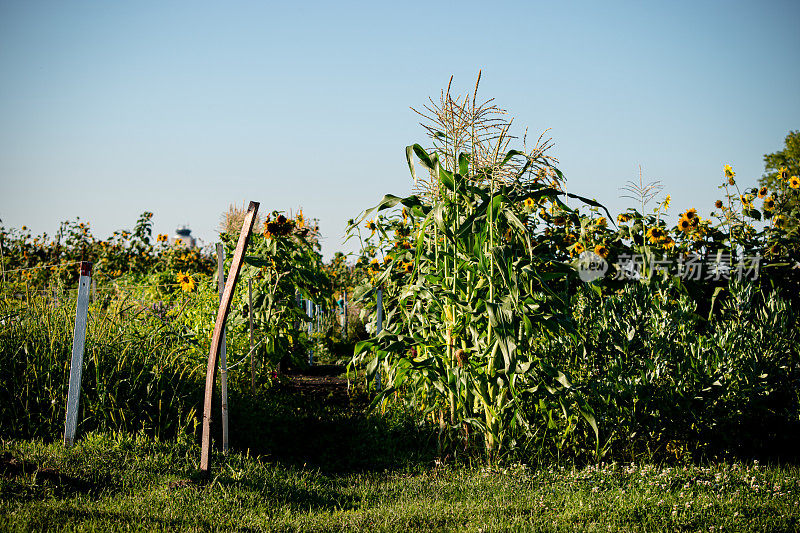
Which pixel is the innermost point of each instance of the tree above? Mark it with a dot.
(788, 158)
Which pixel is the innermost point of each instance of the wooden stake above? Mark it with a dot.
(250, 317)
(78, 342)
(223, 351)
(222, 314)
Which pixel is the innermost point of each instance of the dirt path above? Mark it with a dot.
(320, 383)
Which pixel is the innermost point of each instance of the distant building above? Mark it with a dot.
(183, 236)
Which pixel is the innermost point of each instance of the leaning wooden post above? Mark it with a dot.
(222, 314)
(223, 351)
(378, 329)
(250, 316)
(78, 342)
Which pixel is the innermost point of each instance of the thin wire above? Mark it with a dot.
(45, 266)
(245, 357)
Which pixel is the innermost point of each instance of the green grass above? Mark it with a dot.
(119, 482)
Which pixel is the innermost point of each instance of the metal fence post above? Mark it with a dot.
(78, 343)
(223, 351)
(250, 317)
(378, 329)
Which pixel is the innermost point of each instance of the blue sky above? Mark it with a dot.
(109, 109)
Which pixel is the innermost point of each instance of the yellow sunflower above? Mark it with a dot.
(729, 173)
(186, 282)
(718, 204)
(762, 192)
(408, 267)
(601, 250)
(529, 203)
(794, 182)
(769, 203)
(784, 173)
(601, 222)
(370, 225)
(691, 213)
(624, 217)
(684, 224)
(579, 248)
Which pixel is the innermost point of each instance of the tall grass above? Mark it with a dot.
(139, 372)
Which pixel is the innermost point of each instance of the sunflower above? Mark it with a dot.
(762, 192)
(579, 248)
(405, 244)
(374, 265)
(601, 250)
(601, 222)
(668, 243)
(718, 204)
(769, 203)
(408, 267)
(784, 173)
(684, 224)
(529, 203)
(691, 213)
(729, 173)
(667, 201)
(370, 225)
(186, 282)
(794, 182)
(622, 218)
(301, 221)
(654, 235)
(280, 227)
(780, 221)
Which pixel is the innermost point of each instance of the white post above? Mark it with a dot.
(310, 312)
(223, 363)
(78, 342)
(250, 317)
(378, 329)
(344, 310)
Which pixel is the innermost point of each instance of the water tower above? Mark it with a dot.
(183, 236)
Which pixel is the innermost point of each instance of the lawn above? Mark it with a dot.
(121, 482)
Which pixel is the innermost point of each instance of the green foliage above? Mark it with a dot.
(284, 265)
(488, 332)
(466, 307)
(129, 256)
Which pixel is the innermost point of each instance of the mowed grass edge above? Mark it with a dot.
(118, 482)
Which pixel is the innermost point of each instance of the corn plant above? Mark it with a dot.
(468, 302)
